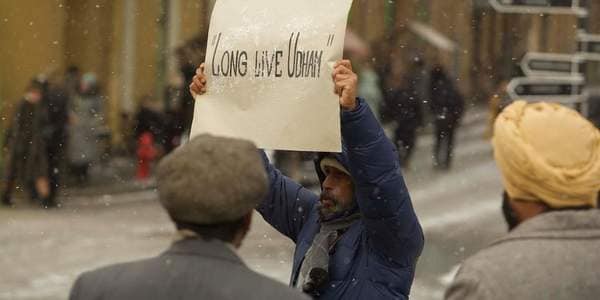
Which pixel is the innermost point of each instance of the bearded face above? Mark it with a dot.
(338, 192)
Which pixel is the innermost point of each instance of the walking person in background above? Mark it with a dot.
(56, 100)
(549, 159)
(189, 56)
(403, 104)
(447, 106)
(86, 121)
(27, 163)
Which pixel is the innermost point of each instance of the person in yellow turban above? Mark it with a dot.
(549, 158)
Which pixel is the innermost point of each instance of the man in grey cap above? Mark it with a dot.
(209, 187)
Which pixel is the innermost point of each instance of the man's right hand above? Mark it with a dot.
(198, 85)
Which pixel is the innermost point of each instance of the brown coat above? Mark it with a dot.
(552, 256)
(27, 154)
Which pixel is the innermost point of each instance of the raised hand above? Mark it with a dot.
(198, 85)
(346, 83)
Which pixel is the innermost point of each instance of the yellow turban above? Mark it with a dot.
(548, 152)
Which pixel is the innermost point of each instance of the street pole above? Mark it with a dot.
(582, 27)
(128, 56)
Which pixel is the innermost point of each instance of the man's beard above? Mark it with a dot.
(510, 216)
(329, 204)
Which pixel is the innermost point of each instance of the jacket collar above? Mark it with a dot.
(206, 248)
(574, 224)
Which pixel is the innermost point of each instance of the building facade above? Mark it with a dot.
(130, 46)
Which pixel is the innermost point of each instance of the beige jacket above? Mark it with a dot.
(552, 256)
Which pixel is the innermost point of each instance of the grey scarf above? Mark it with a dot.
(314, 272)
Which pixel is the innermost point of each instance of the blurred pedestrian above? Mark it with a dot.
(56, 99)
(189, 56)
(403, 104)
(209, 187)
(549, 158)
(172, 116)
(27, 163)
(85, 125)
(360, 238)
(447, 106)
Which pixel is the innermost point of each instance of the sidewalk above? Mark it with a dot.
(112, 177)
(117, 175)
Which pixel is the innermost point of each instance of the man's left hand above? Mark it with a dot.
(346, 82)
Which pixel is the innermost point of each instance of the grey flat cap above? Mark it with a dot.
(211, 180)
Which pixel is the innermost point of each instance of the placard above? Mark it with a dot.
(268, 66)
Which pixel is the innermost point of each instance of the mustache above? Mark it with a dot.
(327, 195)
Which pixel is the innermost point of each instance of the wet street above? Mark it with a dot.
(42, 252)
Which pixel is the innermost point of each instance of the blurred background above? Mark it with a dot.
(113, 77)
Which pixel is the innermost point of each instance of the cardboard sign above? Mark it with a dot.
(268, 67)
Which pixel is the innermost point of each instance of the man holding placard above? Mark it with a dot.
(359, 239)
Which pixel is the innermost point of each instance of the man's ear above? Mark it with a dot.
(244, 229)
(248, 220)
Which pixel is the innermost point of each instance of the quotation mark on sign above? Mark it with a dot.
(216, 39)
(330, 40)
